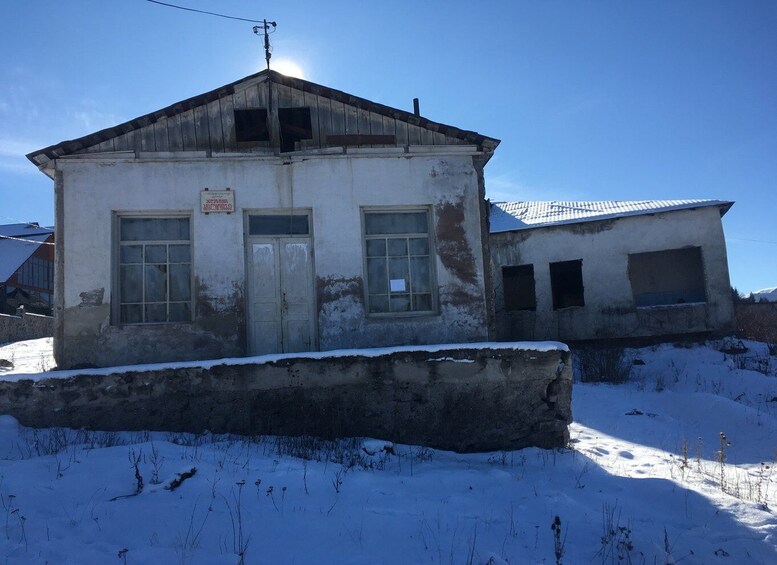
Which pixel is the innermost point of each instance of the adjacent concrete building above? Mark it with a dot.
(26, 268)
(595, 270)
(268, 215)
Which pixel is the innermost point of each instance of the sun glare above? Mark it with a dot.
(287, 67)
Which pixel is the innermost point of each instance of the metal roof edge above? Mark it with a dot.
(724, 205)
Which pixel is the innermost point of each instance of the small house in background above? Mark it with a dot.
(26, 268)
(597, 270)
(269, 215)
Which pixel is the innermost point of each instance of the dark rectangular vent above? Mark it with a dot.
(251, 125)
(295, 126)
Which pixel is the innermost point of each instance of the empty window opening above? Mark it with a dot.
(566, 282)
(672, 276)
(251, 125)
(279, 224)
(294, 126)
(518, 283)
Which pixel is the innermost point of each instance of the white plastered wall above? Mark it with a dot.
(335, 188)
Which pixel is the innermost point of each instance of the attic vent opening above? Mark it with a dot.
(251, 125)
(294, 126)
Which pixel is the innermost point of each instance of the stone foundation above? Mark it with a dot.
(25, 326)
(471, 398)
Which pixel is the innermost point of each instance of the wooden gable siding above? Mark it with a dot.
(210, 127)
(206, 122)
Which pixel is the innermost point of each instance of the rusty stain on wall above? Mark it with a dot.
(92, 297)
(340, 310)
(452, 248)
(334, 289)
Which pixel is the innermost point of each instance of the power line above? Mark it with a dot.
(204, 12)
(752, 240)
(18, 221)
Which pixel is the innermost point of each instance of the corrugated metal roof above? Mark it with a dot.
(23, 230)
(513, 216)
(14, 252)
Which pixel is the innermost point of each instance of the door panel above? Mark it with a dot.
(296, 279)
(265, 299)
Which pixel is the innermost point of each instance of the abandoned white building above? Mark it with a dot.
(592, 270)
(269, 215)
(277, 215)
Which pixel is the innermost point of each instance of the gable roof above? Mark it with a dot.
(209, 116)
(17, 244)
(515, 216)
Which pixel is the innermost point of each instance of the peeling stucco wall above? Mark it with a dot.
(604, 246)
(335, 188)
(468, 399)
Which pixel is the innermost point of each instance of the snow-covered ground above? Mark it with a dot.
(642, 482)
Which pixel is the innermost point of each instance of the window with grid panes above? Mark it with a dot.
(154, 270)
(399, 266)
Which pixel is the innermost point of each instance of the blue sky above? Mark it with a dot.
(592, 100)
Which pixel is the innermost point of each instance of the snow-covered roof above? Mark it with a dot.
(17, 243)
(513, 216)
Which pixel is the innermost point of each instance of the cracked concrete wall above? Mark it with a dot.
(604, 247)
(464, 400)
(94, 189)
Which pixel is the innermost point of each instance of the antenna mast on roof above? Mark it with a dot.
(265, 30)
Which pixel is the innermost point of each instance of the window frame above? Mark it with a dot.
(433, 289)
(36, 270)
(116, 263)
(289, 212)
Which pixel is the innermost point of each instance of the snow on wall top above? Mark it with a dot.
(14, 252)
(513, 216)
(539, 346)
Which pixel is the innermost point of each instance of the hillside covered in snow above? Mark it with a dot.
(674, 466)
(765, 295)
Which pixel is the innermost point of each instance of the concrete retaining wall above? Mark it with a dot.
(25, 326)
(468, 399)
